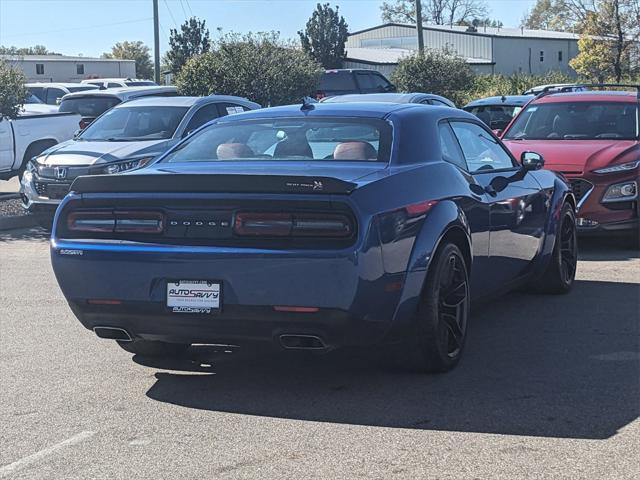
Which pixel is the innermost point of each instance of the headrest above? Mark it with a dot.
(355, 151)
(226, 151)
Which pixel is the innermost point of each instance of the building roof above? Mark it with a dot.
(391, 56)
(58, 58)
(485, 31)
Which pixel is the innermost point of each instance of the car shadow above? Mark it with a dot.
(35, 233)
(553, 366)
(607, 248)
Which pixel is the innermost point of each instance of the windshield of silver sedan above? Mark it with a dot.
(127, 124)
(576, 121)
(284, 139)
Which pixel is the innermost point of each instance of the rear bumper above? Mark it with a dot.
(351, 291)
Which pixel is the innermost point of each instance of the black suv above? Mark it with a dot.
(342, 82)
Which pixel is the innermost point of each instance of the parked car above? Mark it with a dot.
(314, 227)
(424, 98)
(91, 105)
(52, 93)
(104, 83)
(33, 105)
(126, 137)
(29, 135)
(347, 81)
(592, 138)
(555, 87)
(497, 112)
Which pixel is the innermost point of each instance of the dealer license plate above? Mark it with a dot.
(193, 296)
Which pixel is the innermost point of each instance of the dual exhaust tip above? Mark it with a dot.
(113, 333)
(287, 341)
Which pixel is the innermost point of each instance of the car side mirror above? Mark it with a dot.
(531, 161)
(497, 132)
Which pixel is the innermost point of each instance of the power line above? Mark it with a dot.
(183, 10)
(171, 14)
(189, 7)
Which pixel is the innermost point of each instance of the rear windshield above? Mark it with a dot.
(337, 81)
(88, 106)
(495, 116)
(576, 121)
(127, 124)
(143, 83)
(82, 88)
(326, 139)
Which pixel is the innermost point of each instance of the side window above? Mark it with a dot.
(80, 68)
(365, 82)
(438, 103)
(202, 116)
(54, 95)
(38, 92)
(225, 109)
(39, 68)
(481, 151)
(380, 84)
(449, 146)
(113, 85)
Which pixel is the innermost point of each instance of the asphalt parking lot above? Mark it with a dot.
(549, 388)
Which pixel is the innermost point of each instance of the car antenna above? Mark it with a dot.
(308, 103)
(504, 99)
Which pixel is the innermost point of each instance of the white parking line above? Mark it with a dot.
(26, 461)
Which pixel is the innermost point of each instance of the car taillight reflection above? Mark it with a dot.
(276, 224)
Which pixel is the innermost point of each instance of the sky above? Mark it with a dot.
(91, 27)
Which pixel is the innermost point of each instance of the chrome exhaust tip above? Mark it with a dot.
(302, 342)
(113, 333)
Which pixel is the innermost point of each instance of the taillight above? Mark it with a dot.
(276, 224)
(115, 222)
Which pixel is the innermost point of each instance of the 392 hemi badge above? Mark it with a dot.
(67, 251)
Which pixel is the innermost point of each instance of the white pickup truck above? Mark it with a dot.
(30, 135)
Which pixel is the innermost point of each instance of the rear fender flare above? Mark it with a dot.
(442, 218)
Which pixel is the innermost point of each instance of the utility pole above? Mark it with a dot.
(156, 43)
(419, 26)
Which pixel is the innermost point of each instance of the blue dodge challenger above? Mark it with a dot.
(315, 226)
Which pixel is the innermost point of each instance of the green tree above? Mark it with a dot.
(609, 43)
(558, 15)
(324, 36)
(12, 90)
(35, 50)
(257, 66)
(137, 51)
(192, 39)
(439, 72)
(435, 12)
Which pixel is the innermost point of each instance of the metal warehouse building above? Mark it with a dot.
(487, 50)
(61, 68)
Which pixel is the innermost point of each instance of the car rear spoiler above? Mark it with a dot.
(210, 183)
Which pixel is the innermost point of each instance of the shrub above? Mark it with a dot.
(12, 90)
(257, 66)
(439, 72)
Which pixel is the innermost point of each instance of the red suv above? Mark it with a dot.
(593, 138)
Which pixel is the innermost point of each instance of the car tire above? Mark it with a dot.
(436, 340)
(151, 348)
(560, 274)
